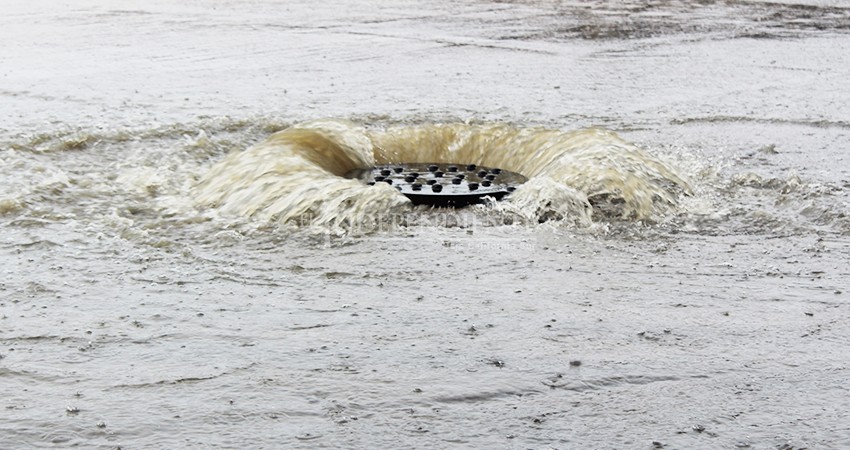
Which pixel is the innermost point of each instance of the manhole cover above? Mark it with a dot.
(436, 184)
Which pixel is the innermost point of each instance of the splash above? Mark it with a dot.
(296, 175)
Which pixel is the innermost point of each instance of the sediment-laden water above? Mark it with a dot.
(185, 264)
(297, 175)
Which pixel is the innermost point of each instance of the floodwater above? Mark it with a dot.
(185, 267)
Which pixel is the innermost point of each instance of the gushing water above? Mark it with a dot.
(296, 175)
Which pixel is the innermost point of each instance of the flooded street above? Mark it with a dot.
(184, 265)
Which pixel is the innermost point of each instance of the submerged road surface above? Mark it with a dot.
(687, 287)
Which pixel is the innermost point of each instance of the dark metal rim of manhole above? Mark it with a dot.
(443, 184)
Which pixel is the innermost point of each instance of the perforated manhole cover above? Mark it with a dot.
(436, 184)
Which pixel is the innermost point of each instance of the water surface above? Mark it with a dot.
(167, 286)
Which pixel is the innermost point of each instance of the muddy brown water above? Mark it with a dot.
(145, 304)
